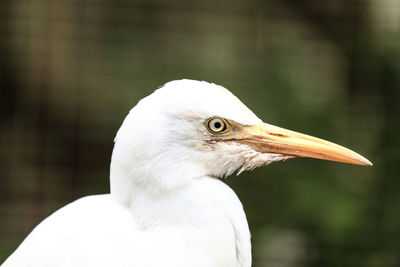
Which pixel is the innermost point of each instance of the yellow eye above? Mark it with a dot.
(217, 125)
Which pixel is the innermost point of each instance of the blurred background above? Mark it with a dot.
(70, 70)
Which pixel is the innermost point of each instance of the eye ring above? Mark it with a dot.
(217, 125)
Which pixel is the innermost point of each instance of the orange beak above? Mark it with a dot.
(267, 138)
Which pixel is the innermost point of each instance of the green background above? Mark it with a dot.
(71, 69)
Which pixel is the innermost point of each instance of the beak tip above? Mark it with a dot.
(366, 162)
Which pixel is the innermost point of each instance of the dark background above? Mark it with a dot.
(71, 70)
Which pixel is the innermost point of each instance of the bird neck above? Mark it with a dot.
(155, 191)
(151, 204)
(150, 208)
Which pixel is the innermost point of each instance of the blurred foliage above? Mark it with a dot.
(71, 69)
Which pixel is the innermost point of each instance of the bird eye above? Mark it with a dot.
(217, 125)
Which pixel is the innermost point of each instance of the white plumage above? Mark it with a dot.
(166, 206)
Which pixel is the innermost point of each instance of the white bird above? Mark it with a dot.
(166, 205)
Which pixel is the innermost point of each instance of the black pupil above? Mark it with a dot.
(217, 125)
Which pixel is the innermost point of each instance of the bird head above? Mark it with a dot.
(189, 129)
